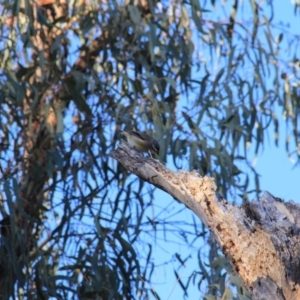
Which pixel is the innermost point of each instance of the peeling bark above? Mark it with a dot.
(261, 238)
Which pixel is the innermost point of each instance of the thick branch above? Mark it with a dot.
(261, 238)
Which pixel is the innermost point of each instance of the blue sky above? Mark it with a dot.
(278, 175)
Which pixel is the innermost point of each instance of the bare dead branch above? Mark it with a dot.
(260, 239)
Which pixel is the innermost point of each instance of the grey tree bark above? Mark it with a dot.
(261, 238)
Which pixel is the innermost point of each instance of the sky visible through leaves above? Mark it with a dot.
(278, 175)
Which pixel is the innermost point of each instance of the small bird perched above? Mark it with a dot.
(141, 141)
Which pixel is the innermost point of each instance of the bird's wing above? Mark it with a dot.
(141, 135)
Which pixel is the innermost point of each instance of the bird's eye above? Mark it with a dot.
(156, 147)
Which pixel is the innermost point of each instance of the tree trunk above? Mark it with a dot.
(261, 238)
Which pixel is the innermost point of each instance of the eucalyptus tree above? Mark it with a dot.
(203, 77)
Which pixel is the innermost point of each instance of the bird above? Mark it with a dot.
(142, 141)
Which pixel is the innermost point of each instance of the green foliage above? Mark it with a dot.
(208, 81)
